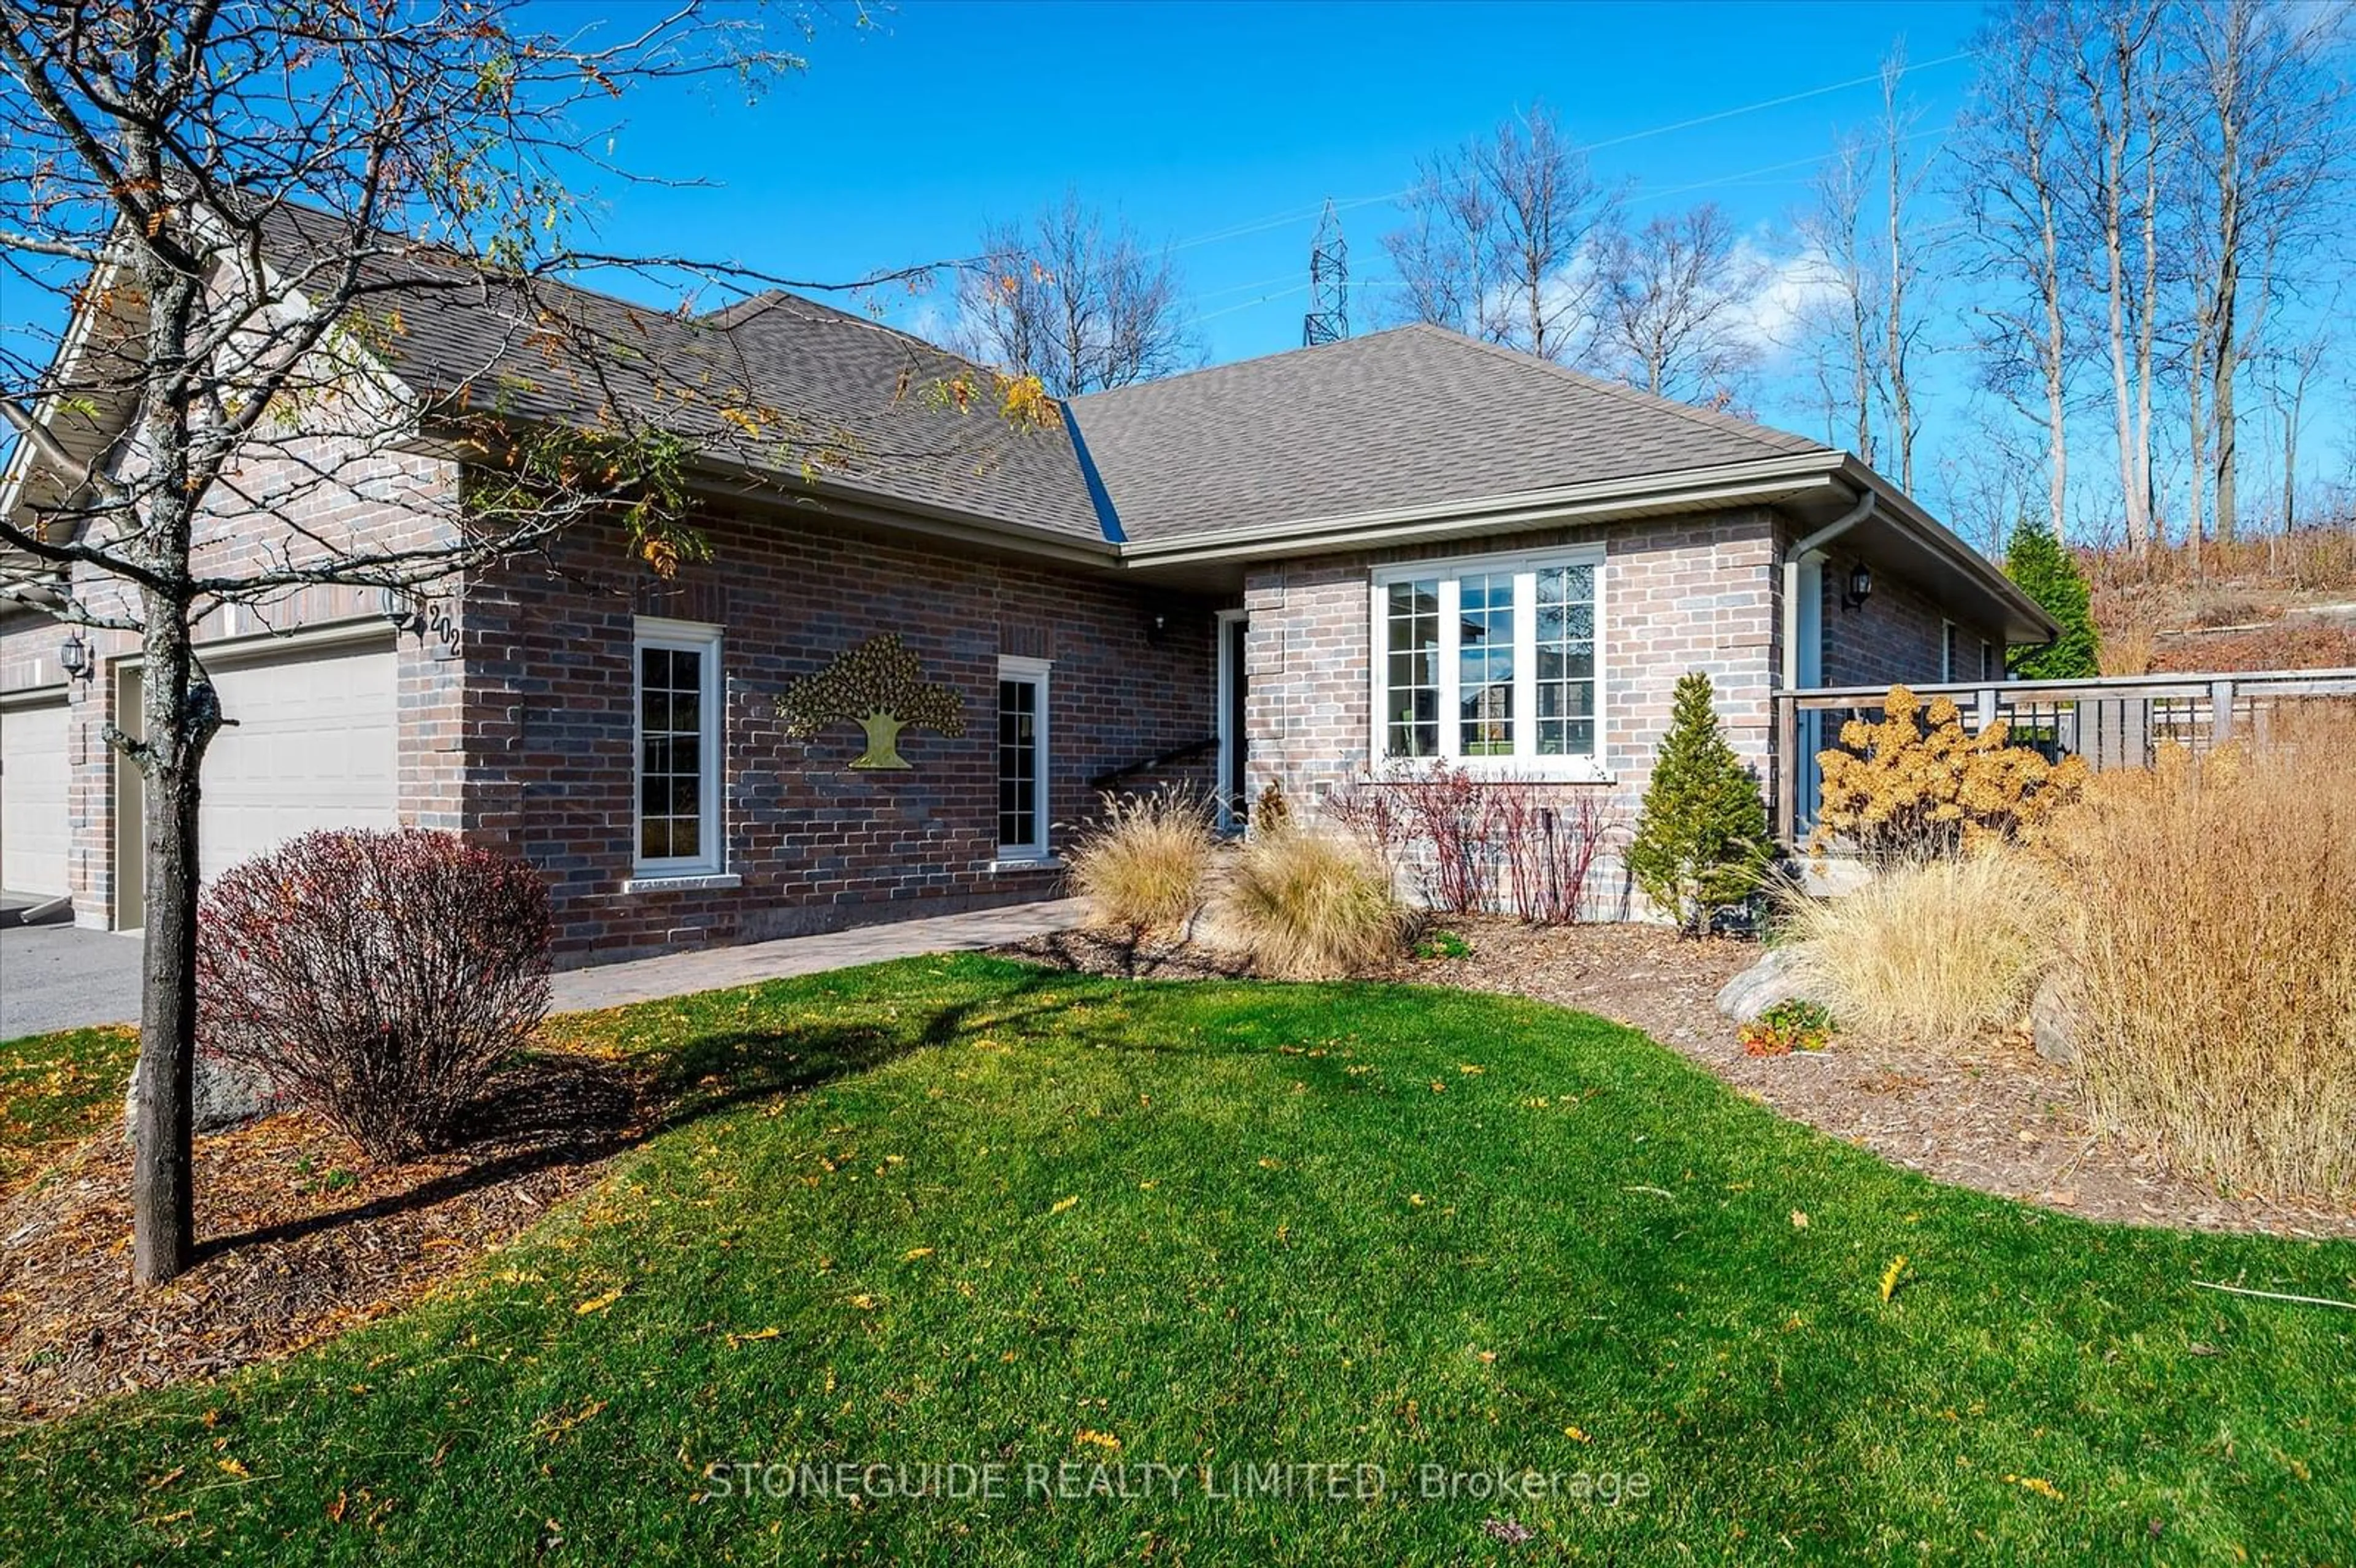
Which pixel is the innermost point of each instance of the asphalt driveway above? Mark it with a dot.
(55, 976)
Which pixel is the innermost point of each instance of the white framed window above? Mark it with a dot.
(1492, 661)
(679, 720)
(1022, 758)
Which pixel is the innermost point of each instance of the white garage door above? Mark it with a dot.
(313, 746)
(34, 829)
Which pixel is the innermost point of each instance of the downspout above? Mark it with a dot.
(1792, 557)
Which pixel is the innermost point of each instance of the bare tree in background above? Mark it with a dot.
(2267, 132)
(236, 238)
(1503, 239)
(1902, 320)
(1076, 300)
(2120, 146)
(1676, 317)
(1839, 309)
(2010, 171)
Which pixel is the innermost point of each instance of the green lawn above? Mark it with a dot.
(55, 1088)
(1005, 1217)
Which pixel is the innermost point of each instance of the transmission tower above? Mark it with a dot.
(1329, 282)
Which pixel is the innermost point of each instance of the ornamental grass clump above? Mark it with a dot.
(1139, 868)
(1938, 950)
(1311, 905)
(1916, 785)
(379, 980)
(2213, 938)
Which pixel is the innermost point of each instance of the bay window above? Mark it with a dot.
(1490, 662)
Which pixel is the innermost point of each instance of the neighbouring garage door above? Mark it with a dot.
(313, 746)
(35, 830)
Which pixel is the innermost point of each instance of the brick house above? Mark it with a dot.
(1404, 548)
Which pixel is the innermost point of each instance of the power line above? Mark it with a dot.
(1279, 220)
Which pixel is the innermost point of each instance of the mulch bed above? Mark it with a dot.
(1993, 1115)
(300, 1237)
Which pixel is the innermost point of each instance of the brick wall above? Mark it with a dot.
(1682, 594)
(548, 724)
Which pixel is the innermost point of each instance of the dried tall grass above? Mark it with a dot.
(2213, 935)
(1939, 949)
(1310, 905)
(1141, 866)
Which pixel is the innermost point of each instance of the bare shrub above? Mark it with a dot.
(379, 980)
(1481, 843)
(1310, 905)
(1140, 866)
(1937, 949)
(1551, 848)
(2214, 902)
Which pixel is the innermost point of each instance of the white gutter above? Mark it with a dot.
(1792, 557)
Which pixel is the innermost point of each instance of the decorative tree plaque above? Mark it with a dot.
(879, 686)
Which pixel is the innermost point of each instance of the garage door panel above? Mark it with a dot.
(36, 827)
(314, 746)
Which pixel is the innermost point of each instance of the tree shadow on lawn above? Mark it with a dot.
(557, 1110)
(304, 1241)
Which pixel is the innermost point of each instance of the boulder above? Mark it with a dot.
(1776, 978)
(222, 1098)
(2053, 1022)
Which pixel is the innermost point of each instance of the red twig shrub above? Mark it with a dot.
(1551, 846)
(1483, 843)
(378, 980)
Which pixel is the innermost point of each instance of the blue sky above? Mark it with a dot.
(1201, 120)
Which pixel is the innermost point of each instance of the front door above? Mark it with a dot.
(1234, 799)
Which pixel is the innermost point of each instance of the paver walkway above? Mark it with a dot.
(715, 968)
(54, 977)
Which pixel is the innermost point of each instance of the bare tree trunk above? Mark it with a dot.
(180, 717)
(1902, 395)
(2222, 416)
(2196, 520)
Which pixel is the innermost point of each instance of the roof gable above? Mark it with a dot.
(1415, 416)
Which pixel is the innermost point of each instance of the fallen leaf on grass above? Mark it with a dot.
(736, 1340)
(1890, 1277)
(1799, 1219)
(1104, 1440)
(597, 1303)
(2037, 1484)
(1063, 1204)
(913, 1253)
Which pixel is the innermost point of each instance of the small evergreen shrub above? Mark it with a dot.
(378, 980)
(1701, 842)
(1140, 866)
(2048, 574)
(1915, 786)
(1310, 905)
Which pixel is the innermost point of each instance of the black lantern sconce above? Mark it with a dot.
(1858, 588)
(74, 656)
(400, 609)
(1157, 628)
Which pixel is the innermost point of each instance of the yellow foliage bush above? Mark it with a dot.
(1916, 784)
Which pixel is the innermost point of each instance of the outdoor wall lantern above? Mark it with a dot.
(1157, 628)
(74, 656)
(396, 605)
(1860, 587)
